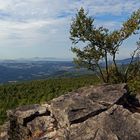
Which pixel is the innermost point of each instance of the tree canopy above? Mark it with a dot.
(100, 43)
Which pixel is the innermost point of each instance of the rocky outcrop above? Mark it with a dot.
(104, 112)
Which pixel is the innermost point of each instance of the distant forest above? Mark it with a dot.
(39, 91)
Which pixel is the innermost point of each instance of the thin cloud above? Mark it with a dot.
(47, 22)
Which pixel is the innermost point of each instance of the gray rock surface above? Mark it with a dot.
(104, 112)
(116, 123)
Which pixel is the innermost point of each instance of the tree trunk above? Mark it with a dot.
(102, 75)
(116, 67)
(106, 65)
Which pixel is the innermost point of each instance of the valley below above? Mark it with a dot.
(13, 71)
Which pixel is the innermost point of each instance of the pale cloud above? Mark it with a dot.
(47, 22)
(28, 24)
(114, 7)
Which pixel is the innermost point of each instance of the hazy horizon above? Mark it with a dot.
(49, 59)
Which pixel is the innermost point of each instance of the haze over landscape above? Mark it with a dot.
(40, 28)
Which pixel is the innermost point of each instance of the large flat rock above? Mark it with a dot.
(116, 123)
(104, 112)
(86, 102)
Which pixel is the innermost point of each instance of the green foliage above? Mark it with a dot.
(14, 95)
(135, 86)
(100, 43)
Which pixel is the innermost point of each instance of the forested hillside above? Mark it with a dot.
(13, 95)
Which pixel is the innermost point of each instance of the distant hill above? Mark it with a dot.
(120, 62)
(42, 68)
(20, 70)
(125, 61)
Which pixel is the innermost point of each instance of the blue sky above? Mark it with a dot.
(40, 28)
